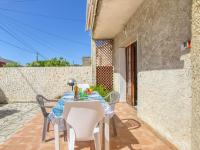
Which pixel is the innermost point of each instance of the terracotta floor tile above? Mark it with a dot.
(132, 135)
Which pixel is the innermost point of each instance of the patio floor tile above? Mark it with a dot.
(132, 135)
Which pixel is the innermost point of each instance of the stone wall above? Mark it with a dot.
(164, 71)
(195, 57)
(23, 84)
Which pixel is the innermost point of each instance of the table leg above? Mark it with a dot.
(57, 138)
(107, 133)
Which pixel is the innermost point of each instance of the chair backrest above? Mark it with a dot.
(41, 101)
(83, 117)
(113, 98)
(83, 86)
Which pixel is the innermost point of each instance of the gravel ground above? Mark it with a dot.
(13, 116)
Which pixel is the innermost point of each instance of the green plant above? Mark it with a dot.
(54, 62)
(100, 89)
(13, 64)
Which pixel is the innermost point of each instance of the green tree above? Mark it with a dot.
(13, 64)
(54, 62)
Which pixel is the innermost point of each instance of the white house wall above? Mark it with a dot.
(119, 83)
(195, 57)
(164, 70)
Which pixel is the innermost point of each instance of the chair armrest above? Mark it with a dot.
(52, 100)
(49, 106)
(107, 96)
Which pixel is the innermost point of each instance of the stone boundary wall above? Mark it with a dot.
(24, 83)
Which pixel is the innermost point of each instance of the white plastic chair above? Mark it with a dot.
(84, 122)
(113, 98)
(83, 86)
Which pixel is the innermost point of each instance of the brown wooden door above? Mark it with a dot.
(131, 74)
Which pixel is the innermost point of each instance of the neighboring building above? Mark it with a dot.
(4, 61)
(147, 42)
(86, 61)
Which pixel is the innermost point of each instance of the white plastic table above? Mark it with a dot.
(58, 122)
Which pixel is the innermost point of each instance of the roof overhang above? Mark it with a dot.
(90, 13)
(3, 60)
(106, 18)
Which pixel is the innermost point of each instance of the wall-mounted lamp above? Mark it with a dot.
(185, 45)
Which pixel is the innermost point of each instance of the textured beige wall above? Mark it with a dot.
(93, 60)
(195, 57)
(165, 104)
(164, 71)
(119, 76)
(22, 84)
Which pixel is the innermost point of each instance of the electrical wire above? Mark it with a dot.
(16, 46)
(26, 1)
(44, 44)
(45, 32)
(19, 1)
(13, 35)
(41, 15)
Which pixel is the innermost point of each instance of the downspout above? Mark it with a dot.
(93, 43)
(91, 15)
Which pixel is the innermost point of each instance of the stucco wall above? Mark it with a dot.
(119, 75)
(164, 71)
(195, 57)
(23, 84)
(93, 60)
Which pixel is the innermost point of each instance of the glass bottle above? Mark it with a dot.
(76, 92)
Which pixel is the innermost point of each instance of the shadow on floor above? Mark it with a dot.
(3, 98)
(124, 138)
(131, 123)
(5, 113)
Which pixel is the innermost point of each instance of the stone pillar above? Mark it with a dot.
(195, 58)
(93, 60)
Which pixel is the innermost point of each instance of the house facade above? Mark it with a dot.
(4, 61)
(195, 59)
(155, 58)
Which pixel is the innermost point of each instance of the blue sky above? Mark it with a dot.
(54, 28)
